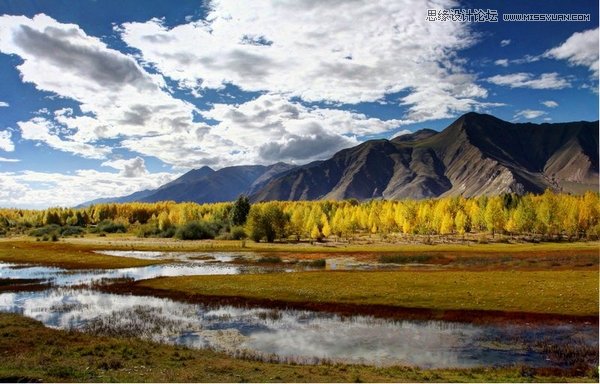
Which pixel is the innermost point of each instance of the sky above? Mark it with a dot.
(105, 98)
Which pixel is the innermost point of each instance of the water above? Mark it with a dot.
(283, 335)
(64, 277)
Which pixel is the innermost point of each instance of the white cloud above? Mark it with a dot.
(550, 103)
(401, 133)
(30, 189)
(529, 114)
(135, 167)
(4, 104)
(271, 128)
(504, 43)
(6, 160)
(528, 80)
(6, 143)
(123, 103)
(117, 97)
(307, 49)
(501, 62)
(579, 49)
(43, 130)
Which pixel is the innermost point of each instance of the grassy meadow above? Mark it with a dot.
(549, 292)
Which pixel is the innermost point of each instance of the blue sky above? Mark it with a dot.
(104, 98)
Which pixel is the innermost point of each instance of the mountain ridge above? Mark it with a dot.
(477, 154)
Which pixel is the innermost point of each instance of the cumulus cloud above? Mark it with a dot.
(135, 167)
(306, 49)
(550, 103)
(529, 114)
(291, 130)
(581, 48)
(43, 130)
(504, 43)
(4, 104)
(528, 80)
(29, 189)
(311, 144)
(6, 143)
(116, 96)
(121, 103)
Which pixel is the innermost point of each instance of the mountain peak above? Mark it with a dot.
(421, 134)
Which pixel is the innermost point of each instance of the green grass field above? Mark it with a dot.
(31, 352)
(562, 292)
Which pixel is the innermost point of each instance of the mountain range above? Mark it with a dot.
(477, 154)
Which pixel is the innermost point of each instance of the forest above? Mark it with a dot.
(547, 216)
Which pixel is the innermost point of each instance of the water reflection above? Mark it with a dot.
(284, 335)
(180, 256)
(291, 335)
(63, 277)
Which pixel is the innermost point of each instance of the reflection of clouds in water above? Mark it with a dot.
(15, 271)
(366, 340)
(182, 256)
(301, 336)
(64, 277)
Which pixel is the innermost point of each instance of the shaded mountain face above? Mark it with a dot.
(476, 155)
(205, 185)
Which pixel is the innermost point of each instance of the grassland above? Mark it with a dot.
(64, 255)
(79, 252)
(565, 292)
(126, 241)
(31, 352)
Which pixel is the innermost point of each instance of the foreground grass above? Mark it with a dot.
(31, 352)
(64, 255)
(562, 292)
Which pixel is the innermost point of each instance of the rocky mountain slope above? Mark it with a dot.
(476, 155)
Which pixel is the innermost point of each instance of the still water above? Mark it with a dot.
(283, 335)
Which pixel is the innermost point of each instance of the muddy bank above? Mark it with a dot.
(343, 309)
(17, 285)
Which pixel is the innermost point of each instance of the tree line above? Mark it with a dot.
(549, 214)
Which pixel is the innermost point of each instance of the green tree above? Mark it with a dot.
(240, 210)
(267, 222)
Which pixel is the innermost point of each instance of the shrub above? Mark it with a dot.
(46, 230)
(108, 226)
(238, 233)
(168, 232)
(71, 231)
(147, 230)
(195, 230)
